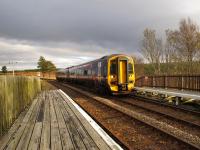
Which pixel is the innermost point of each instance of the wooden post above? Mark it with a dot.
(153, 79)
(165, 82)
(182, 84)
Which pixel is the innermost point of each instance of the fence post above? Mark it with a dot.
(141, 82)
(153, 80)
(165, 82)
(182, 83)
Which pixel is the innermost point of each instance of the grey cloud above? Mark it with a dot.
(86, 27)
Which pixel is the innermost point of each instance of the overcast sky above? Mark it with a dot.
(69, 32)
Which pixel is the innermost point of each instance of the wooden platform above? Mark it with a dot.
(53, 122)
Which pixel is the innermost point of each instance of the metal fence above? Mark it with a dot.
(191, 82)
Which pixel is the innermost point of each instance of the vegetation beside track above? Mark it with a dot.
(45, 85)
(16, 94)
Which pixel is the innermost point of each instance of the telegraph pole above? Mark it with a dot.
(13, 69)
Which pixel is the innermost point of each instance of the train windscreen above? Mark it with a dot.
(113, 67)
(130, 68)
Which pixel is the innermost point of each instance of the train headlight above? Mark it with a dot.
(111, 76)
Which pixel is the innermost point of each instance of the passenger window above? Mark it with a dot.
(85, 72)
(130, 68)
(113, 67)
(89, 72)
(99, 68)
(104, 70)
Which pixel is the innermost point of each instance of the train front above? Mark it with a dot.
(121, 76)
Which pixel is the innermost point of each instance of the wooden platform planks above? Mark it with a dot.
(45, 137)
(64, 131)
(91, 131)
(52, 122)
(80, 138)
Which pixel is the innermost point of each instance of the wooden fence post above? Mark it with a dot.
(153, 79)
(165, 82)
(182, 84)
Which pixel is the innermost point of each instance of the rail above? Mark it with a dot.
(186, 82)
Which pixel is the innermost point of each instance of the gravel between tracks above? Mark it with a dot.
(134, 134)
(176, 113)
(159, 115)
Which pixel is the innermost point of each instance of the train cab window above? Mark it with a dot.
(130, 68)
(113, 67)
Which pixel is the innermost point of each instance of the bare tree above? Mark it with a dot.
(171, 56)
(198, 48)
(186, 42)
(170, 50)
(138, 59)
(152, 49)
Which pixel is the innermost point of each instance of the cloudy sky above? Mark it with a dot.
(70, 32)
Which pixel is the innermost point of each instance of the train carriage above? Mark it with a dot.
(110, 74)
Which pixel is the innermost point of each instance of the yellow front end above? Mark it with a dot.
(121, 75)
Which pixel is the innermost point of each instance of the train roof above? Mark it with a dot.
(104, 57)
(61, 70)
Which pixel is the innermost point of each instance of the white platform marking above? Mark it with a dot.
(180, 94)
(112, 144)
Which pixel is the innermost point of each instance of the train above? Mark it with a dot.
(113, 74)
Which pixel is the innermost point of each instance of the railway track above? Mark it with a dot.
(159, 121)
(191, 118)
(191, 110)
(182, 123)
(179, 113)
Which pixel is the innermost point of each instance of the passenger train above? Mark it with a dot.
(113, 74)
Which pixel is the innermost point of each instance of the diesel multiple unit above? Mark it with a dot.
(112, 74)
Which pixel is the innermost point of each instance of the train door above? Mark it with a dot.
(122, 74)
(122, 71)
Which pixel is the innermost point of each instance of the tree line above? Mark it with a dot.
(43, 66)
(4, 69)
(179, 53)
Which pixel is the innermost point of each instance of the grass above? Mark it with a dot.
(16, 93)
(46, 85)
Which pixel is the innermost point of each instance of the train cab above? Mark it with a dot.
(121, 75)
